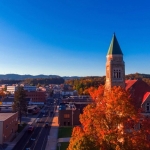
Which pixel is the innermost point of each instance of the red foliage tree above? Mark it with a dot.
(111, 123)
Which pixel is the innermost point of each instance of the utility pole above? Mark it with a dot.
(72, 117)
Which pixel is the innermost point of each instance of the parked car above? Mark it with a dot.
(38, 120)
(45, 115)
(30, 128)
(46, 124)
(43, 111)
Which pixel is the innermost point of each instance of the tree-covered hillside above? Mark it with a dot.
(82, 84)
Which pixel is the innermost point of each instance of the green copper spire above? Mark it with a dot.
(114, 47)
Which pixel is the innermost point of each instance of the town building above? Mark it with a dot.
(29, 88)
(68, 93)
(77, 99)
(68, 115)
(37, 97)
(12, 89)
(6, 104)
(8, 126)
(115, 76)
(70, 109)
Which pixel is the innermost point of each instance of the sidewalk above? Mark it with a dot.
(52, 138)
(19, 136)
(66, 139)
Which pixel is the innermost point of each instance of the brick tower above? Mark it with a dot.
(115, 66)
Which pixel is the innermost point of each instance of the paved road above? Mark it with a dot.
(38, 138)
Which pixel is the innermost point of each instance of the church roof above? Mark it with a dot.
(114, 47)
(147, 94)
(129, 83)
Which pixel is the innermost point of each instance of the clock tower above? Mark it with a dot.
(115, 66)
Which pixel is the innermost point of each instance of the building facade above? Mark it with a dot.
(68, 115)
(12, 89)
(29, 88)
(37, 97)
(8, 126)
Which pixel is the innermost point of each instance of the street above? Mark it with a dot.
(37, 139)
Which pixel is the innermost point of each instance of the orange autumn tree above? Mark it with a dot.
(2, 94)
(111, 123)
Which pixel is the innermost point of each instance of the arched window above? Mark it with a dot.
(117, 73)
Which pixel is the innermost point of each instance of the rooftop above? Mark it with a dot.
(129, 83)
(5, 116)
(67, 106)
(147, 94)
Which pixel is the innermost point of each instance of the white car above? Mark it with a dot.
(38, 120)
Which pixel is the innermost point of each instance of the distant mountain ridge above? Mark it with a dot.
(22, 77)
(71, 77)
(28, 76)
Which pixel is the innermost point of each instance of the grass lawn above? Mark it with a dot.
(64, 132)
(21, 127)
(63, 146)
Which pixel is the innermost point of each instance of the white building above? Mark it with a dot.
(12, 89)
(69, 92)
(29, 88)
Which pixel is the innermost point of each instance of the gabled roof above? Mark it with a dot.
(114, 48)
(146, 95)
(129, 83)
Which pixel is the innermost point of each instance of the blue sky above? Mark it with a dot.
(69, 38)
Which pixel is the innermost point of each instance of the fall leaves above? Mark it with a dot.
(111, 123)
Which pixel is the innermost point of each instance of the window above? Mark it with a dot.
(117, 73)
(66, 115)
(68, 123)
(147, 107)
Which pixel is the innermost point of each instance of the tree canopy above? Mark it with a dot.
(45, 81)
(20, 103)
(111, 123)
(83, 84)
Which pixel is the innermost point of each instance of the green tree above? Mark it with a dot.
(51, 93)
(20, 103)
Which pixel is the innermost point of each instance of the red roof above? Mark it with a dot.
(145, 97)
(129, 83)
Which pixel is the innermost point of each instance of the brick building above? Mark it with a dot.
(8, 126)
(37, 97)
(68, 115)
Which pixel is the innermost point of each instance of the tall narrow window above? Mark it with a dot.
(147, 107)
(117, 73)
